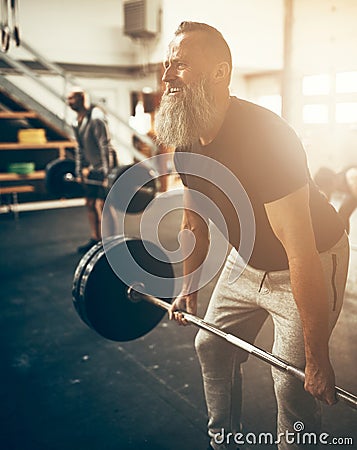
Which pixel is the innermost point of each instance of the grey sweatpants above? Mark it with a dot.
(241, 308)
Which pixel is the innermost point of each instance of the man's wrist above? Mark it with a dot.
(187, 292)
(317, 356)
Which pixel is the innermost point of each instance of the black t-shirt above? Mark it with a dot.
(267, 157)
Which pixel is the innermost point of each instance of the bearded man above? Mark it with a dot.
(298, 266)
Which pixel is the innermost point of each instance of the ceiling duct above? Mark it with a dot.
(142, 18)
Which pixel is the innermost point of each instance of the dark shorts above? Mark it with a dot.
(92, 191)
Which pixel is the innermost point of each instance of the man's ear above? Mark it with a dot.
(221, 72)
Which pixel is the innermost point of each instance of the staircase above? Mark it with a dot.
(17, 112)
(20, 110)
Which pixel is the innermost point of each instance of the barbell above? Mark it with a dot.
(61, 182)
(120, 311)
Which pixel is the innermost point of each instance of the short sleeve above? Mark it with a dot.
(280, 165)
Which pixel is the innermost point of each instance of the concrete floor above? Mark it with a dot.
(63, 387)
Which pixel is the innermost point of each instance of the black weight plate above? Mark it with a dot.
(140, 196)
(102, 300)
(55, 179)
(79, 272)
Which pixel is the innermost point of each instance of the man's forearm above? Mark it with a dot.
(310, 293)
(194, 245)
(192, 264)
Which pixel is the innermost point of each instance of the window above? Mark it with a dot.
(346, 82)
(141, 122)
(315, 113)
(316, 84)
(346, 112)
(272, 102)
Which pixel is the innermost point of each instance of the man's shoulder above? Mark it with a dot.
(252, 111)
(97, 114)
(258, 124)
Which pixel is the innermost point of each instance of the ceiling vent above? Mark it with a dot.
(142, 18)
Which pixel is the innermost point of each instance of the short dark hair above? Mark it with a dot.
(77, 92)
(215, 38)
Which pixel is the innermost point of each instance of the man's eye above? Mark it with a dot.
(181, 66)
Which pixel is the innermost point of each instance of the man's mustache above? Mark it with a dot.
(182, 87)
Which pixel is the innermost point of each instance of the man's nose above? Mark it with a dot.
(169, 74)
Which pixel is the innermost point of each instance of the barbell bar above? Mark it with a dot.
(62, 182)
(70, 178)
(259, 353)
(120, 310)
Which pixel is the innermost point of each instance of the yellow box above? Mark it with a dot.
(32, 136)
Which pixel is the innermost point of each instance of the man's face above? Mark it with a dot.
(187, 108)
(75, 101)
(185, 64)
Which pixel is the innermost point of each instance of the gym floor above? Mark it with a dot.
(63, 387)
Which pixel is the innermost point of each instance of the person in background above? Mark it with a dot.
(297, 271)
(345, 183)
(95, 157)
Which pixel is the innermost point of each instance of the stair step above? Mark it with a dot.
(36, 175)
(47, 145)
(18, 115)
(13, 99)
(16, 189)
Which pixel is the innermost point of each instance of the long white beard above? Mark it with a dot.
(181, 120)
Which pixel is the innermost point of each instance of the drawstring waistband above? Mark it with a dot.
(262, 282)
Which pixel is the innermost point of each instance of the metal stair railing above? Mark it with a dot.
(68, 81)
(34, 105)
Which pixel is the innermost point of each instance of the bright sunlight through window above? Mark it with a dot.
(316, 84)
(346, 82)
(272, 102)
(316, 113)
(346, 112)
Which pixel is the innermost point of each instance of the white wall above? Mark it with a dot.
(325, 35)
(324, 41)
(91, 31)
(77, 31)
(253, 29)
